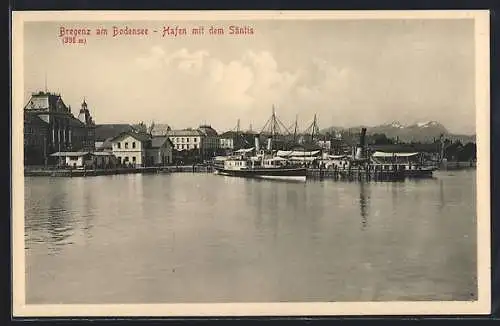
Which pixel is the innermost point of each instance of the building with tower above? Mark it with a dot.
(50, 126)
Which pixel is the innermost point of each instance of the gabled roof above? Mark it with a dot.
(54, 101)
(140, 136)
(108, 131)
(160, 129)
(159, 141)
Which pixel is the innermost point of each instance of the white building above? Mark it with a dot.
(204, 141)
(130, 148)
(186, 139)
(141, 149)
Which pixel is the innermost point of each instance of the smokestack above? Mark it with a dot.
(269, 140)
(360, 150)
(257, 144)
(362, 138)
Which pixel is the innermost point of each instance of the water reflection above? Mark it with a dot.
(441, 195)
(204, 238)
(363, 204)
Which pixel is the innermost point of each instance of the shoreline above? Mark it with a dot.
(312, 172)
(41, 172)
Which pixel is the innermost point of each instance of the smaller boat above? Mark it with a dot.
(412, 164)
(261, 168)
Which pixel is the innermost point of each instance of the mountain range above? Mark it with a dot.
(418, 132)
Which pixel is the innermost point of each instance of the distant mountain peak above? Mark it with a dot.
(427, 124)
(396, 124)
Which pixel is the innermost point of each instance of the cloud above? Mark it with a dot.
(243, 88)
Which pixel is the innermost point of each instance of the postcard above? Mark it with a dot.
(243, 163)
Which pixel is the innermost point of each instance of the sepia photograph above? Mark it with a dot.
(250, 163)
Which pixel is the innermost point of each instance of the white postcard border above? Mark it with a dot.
(481, 306)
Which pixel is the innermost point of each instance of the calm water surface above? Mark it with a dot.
(207, 238)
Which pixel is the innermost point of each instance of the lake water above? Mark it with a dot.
(207, 238)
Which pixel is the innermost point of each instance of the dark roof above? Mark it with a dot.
(55, 102)
(73, 122)
(208, 130)
(160, 129)
(158, 141)
(108, 131)
(229, 134)
(33, 118)
(140, 136)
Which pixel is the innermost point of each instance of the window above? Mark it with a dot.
(195, 139)
(133, 157)
(195, 146)
(126, 159)
(133, 144)
(126, 145)
(119, 145)
(187, 139)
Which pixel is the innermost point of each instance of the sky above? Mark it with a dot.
(347, 72)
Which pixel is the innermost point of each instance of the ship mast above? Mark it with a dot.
(313, 128)
(295, 128)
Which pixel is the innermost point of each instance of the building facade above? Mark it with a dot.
(194, 145)
(50, 126)
(232, 140)
(160, 152)
(138, 149)
(210, 141)
(129, 148)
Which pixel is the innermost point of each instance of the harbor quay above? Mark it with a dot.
(57, 172)
(57, 143)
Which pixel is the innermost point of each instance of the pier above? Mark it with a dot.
(356, 174)
(41, 172)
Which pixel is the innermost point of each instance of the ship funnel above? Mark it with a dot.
(359, 153)
(269, 144)
(257, 144)
(360, 150)
(362, 138)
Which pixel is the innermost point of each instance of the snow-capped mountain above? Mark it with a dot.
(419, 131)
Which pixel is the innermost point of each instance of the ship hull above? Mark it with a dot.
(419, 173)
(293, 174)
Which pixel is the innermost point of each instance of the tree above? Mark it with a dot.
(141, 127)
(381, 139)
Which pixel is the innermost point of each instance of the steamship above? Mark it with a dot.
(260, 166)
(397, 164)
